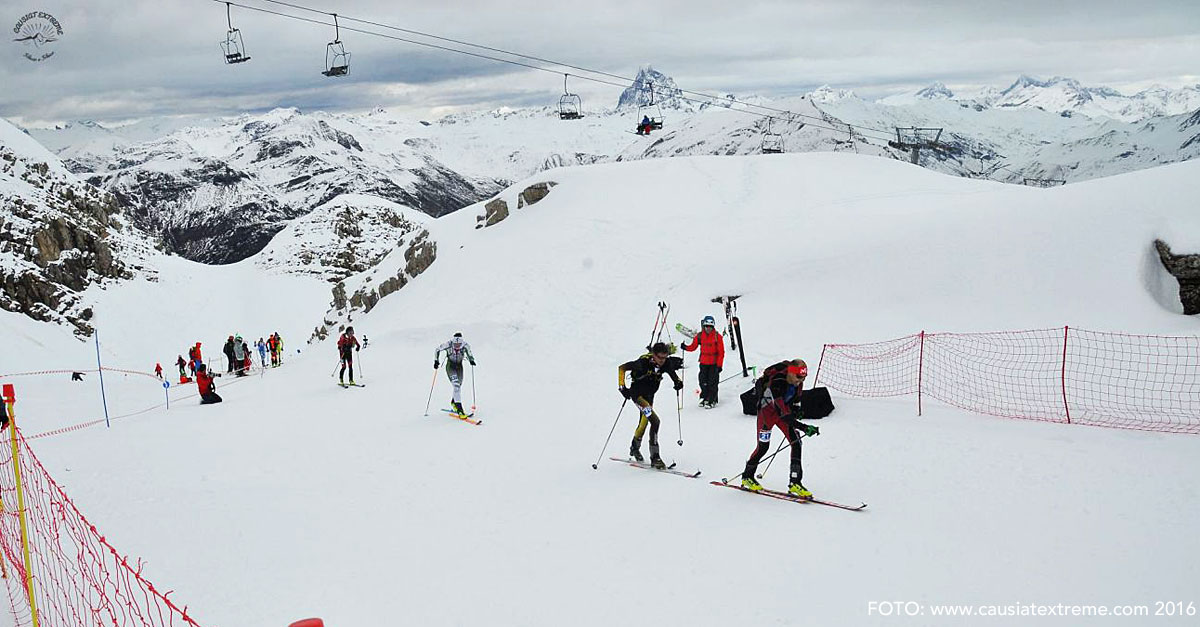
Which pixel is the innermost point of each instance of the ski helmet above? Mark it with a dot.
(708, 321)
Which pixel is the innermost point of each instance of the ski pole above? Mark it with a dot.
(781, 448)
(361, 374)
(596, 466)
(472, 387)
(679, 414)
(772, 458)
(431, 385)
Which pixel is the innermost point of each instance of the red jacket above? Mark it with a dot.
(712, 348)
(204, 382)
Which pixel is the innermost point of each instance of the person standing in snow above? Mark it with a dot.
(456, 349)
(239, 356)
(181, 363)
(778, 406)
(158, 370)
(346, 345)
(278, 349)
(646, 373)
(228, 350)
(208, 389)
(262, 351)
(712, 359)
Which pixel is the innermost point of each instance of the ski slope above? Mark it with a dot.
(297, 498)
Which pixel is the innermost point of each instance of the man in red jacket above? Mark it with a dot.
(712, 359)
(208, 389)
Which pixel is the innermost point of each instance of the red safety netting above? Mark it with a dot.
(1066, 375)
(78, 578)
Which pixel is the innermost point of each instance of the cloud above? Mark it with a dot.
(118, 60)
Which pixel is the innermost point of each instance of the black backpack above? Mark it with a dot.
(752, 397)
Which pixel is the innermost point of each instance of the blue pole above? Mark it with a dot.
(166, 385)
(100, 370)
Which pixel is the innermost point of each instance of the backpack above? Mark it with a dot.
(752, 397)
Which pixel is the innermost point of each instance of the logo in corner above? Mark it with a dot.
(38, 32)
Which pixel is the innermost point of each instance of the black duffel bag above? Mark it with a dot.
(816, 403)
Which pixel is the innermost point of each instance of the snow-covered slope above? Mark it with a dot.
(443, 523)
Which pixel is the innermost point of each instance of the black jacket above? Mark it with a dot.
(646, 377)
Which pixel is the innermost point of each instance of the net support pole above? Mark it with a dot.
(100, 371)
(1066, 406)
(820, 362)
(920, 372)
(10, 400)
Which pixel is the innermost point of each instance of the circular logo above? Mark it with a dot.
(37, 31)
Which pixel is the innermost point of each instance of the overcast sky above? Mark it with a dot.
(126, 59)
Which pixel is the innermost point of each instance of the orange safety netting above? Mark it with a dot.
(1148, 382)
(78, 578)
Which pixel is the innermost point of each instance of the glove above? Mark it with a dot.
(624, 391)
(436, 363)
(678, 385)
(808, 430)
(472, 362)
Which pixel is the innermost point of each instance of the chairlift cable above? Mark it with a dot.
(708, 99)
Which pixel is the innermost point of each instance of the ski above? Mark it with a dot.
(463, 417)
(784, 496)
(352, 385)
(669, 469)
(684, 330)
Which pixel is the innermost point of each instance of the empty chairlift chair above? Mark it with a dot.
(337, 60)
(235, 49)
(772, 143)
(570, 106)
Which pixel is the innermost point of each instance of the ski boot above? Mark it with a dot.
(635, 450)
(456, 406)
(657, 463)
(752, 484)
(798, 490)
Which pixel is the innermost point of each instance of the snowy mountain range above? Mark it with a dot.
(1065, 96)
(328, 195)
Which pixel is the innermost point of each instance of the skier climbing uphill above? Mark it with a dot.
(778, 406)
(646, 373)
(347, 344)
(456, 350)
(712, 359)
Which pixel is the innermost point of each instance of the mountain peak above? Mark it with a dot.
(935, 91)
(652, 87)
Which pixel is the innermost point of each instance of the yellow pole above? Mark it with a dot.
(10, 399)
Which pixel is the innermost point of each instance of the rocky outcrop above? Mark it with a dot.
(1186, 269)
(57, 238)
(496, 209)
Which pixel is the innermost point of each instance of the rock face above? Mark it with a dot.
(496, 209)
(1186, 269)
(219, 194)
(58, 236)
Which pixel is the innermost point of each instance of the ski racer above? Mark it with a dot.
(456, 350)
(646, 373)
(346, 345)
(778, 406)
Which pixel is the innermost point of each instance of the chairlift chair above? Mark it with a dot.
(235, 49)
(337, 60)
(570, 106)
(772, 143)
(651, 111)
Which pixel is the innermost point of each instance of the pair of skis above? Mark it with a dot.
(783, 496)
(464, 417)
